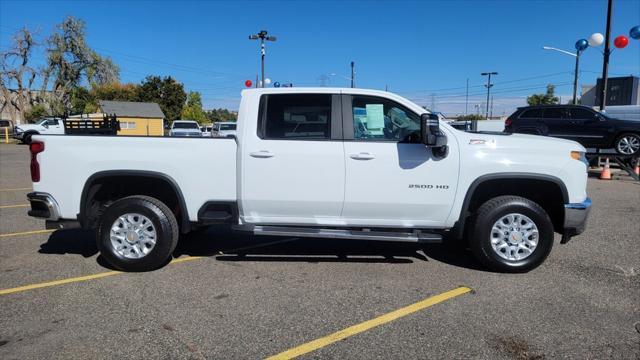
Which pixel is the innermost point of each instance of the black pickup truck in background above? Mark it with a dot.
(582, 124)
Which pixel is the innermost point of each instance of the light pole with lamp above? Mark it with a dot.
(581, 45)
(262, 35)
(342, 76)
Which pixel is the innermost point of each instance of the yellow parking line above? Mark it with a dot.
(17, 189)
(57, 282)
(13, 206)
(103, 274)
(27, 233)
(78, 279)
(356, 329)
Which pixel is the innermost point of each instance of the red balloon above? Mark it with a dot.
(621, 41)
(248, 83)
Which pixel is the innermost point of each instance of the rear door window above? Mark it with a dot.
(581, 114)
(531, 114)
(296, 117)
(554, 113)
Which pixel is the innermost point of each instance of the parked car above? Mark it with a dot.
(590, 128)
(6, 124)
(185, 128)
(223, 129)
(46, 126)
(206, 130)
(322, 163)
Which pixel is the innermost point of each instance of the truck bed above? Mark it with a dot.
(205, 168)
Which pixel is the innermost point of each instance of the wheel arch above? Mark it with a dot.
(96, 181)
(491, 185)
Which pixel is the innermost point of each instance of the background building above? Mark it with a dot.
(620, 91)
(136, 118)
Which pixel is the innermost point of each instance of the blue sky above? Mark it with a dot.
(423, 50)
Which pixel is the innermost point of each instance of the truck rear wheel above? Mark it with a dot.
(137, 233)
(511, 234)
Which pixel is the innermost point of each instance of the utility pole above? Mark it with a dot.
(491, 112)
(474, 125)
(607, 52)
(262, 35)
(353, 74)
(466, 102)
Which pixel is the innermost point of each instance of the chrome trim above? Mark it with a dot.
(416, 236)
(50, 203)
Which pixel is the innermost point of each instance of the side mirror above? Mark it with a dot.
(46, 126)
(430, 133)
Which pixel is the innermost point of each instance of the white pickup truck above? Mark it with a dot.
(322, 163)
(46, 126)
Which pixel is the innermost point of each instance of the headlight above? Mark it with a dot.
(580, 156)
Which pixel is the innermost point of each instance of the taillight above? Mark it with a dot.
(507, 122)
(35, 147)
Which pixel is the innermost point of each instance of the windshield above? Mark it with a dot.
(227, 126)
(185, 125)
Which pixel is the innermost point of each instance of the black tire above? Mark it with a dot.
(26, 138)
(163, 221)
(489, 213)
(623, 136)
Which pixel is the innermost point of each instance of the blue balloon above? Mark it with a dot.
(635, 32)
(582, 44)
(276, 84)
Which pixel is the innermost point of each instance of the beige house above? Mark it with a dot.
(136, 118)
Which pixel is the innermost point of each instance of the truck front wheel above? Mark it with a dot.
(137, 233)
(511, 234)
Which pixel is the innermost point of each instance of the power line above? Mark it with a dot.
(504, 90)
(482, 85)
(500, 91)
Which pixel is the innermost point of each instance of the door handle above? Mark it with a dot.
(362, 156)
(262, 154)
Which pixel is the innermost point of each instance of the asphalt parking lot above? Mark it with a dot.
(228, 296)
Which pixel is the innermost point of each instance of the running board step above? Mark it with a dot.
(415, 236)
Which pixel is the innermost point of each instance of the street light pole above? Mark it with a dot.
(262, 35)
(575, 78)
(489, 85)
(575, 71)
(607, 52)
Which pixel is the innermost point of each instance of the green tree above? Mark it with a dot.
(193, 109)
(167, 92)
(544, 99)
(36, 112)
(216, 115)
(70, 61)
(82, 101)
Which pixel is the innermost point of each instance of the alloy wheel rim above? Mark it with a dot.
(133, 236)
(514, 237)
(629, 145)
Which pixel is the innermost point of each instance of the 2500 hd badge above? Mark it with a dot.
(424, 186)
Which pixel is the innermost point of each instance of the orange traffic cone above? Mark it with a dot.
(637, 168)
(606, 172)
